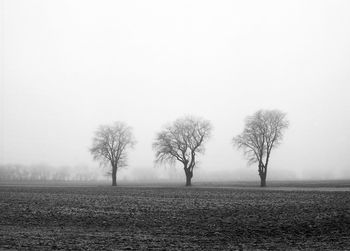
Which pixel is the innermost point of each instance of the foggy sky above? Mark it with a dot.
(69, 66)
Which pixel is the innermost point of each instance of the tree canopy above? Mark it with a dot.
(182, 141)
(110, 144)
(263, 131)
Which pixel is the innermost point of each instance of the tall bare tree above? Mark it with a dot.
(110, 145)
(263, 131)
(182, 141)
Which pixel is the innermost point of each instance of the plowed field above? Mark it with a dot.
(125, 218)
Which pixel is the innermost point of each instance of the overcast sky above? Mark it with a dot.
(69, 66)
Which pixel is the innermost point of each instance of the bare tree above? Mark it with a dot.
(182, 141)
(110, 144)
(263, 131)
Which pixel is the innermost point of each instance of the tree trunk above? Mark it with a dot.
(189, 176)
(114, 176)
(263, 179)
(188, 180)
(262, 174)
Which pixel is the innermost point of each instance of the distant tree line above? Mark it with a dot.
(183, 140)
(16, 172)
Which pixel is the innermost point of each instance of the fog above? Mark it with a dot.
(69, 66)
